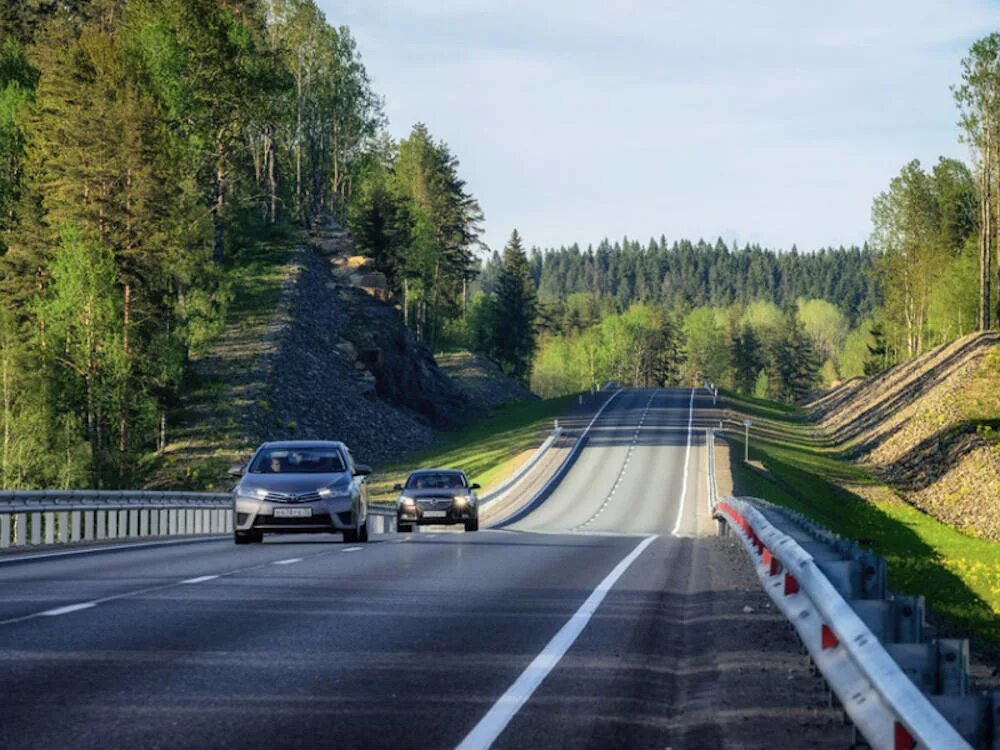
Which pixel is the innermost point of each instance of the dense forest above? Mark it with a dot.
(145, 146)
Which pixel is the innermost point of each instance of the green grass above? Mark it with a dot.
(486, 451)
(958, 574)
(203, 432)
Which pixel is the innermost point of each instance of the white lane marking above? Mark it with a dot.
(351, 549)
(621, 472)
(687, 457)
(139, 592)
(557, 476)
(67, 609)
(200, 579)
(15, 558)
(497, 718)
(289, 561)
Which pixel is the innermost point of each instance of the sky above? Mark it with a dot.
(775, 122)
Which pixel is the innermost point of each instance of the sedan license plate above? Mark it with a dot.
(435, 514)
(292, 512)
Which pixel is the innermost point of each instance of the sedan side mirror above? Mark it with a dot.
(474, 486)
(235, 471)
(362, 470)
(397, 488)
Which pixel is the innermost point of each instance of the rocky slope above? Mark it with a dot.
(928, 428)
(328, 357)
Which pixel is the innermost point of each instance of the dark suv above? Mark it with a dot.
(301, 486)
(433, 496)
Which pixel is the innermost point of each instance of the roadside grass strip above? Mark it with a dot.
(958, 574)
(487, 451)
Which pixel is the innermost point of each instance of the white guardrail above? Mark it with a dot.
(32, 518)
(36, 517)
(888, 709)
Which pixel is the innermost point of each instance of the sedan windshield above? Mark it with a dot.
(298, 461)
(444, 480)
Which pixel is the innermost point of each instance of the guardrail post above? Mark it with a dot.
(36, 528)
(172, 521)
(20, 529)
(63, 527)
(74, 526)
(953, 666)
(102, 524)
(133, 523)
(4, 530)
(88, 525)
(112, 524)
(49, 521)
(144, 522)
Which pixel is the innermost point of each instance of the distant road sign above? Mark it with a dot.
(747, 422)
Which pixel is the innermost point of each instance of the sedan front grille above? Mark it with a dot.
(284, 497)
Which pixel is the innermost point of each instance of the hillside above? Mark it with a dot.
(314, 347)
(928, 429)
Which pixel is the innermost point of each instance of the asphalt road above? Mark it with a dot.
(617, 626)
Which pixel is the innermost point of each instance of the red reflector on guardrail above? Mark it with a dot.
(828, 639)
(903, 740)
(791, 585)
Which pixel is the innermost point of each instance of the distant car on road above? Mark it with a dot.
(433, 496)
(300, 486)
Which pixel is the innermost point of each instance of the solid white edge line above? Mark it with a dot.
(289, 561)
(499, 716)
(687, 458)
(200, 579)
(67, 609)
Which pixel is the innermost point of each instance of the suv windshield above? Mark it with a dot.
(298, 461)
(437, 481)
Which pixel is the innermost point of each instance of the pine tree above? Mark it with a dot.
(515, 341)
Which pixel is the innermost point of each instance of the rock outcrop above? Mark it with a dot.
(345, 367)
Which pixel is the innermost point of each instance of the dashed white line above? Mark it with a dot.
(497, 718)
(67, 609)
(289, 561)
(351, 549)
(200, 579)
(621, 473)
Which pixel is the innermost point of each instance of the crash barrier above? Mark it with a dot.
(381, 519)
(557, 476)
(900, 688)
(43, 517)
(36, 517)
(508, 484)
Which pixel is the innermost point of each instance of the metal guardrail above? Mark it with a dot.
(32, 518)
(508, 484)
(887, 708)
(37, 517)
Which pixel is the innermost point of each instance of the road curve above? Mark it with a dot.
(411, 641)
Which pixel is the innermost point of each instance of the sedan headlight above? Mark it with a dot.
(461, 501)
(256, 493)
(404, 500)
(327, 493)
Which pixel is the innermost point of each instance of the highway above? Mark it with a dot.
(604, 616)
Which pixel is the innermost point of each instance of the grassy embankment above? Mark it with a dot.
(958, 574)
(203, 439)
(488, 451)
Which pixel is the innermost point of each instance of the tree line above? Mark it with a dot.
(145, 147)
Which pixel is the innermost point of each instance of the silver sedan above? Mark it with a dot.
(299, 486)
